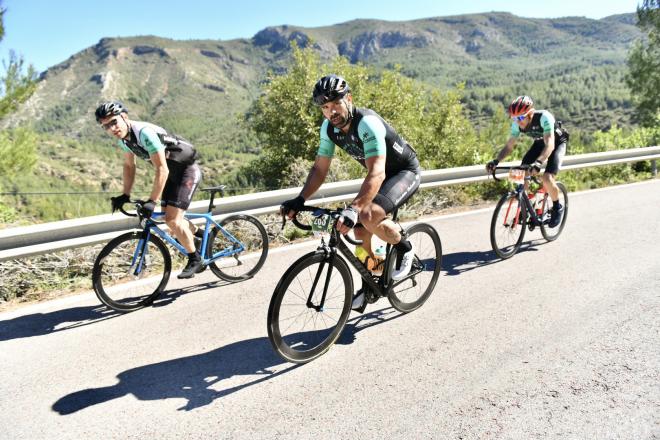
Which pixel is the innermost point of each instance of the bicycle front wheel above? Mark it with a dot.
(507, 228)
(551, 234)
(413, 291)
(242, 244)
(309, 310)
(130, 273)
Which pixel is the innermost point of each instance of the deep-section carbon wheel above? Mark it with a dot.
(302, 324)
(411, 292)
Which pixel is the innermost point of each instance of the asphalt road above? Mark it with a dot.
(559, 342)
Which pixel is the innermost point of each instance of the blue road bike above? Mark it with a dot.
(132, 270)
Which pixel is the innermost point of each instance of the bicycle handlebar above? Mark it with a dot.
(334, 213)
(516, 167)
(138, 210)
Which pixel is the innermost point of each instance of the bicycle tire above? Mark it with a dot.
(407, 295)
(252, 235)
(507, 232)
(115, 285)
(295, 346)
(551, 234)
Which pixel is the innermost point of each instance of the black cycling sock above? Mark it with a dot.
(199, 233)
(194, 256)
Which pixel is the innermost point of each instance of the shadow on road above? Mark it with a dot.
(197, 378)
(38, 324)
(459, 262)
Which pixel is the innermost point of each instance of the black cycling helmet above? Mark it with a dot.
(520, 106)
(109, 108)
(329, 88)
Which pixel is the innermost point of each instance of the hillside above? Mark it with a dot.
(573, 66)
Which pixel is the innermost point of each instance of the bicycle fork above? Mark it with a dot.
(140, 256)
(329, 259)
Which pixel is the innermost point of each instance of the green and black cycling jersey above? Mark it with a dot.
(542, 123)
(369, 135)
(145, 139)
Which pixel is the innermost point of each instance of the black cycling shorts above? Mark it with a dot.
(554, 161)
(181, 185)
(397, 189)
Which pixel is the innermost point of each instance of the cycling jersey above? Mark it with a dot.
(368, 136)
(542, 123)
(145, 139)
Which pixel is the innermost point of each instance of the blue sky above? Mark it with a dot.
(47, 32)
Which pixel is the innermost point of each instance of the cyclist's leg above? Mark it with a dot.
(552, 169)
(177, 195)
(394, 192)
(532, 154)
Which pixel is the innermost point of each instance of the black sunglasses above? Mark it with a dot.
(110, 124)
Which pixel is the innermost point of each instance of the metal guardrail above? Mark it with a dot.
(67, 234)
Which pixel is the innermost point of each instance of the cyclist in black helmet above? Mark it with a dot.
(177, 173)
(550, 143)
(393, 173)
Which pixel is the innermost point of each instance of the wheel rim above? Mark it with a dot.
(300, 332)
(548, 233)
(413, 291)
(508, 226)
(126, 281)
(246, 261)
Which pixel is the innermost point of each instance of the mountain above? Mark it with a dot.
(573, 66)
(200, 85)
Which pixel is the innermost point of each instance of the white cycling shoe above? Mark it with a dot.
(406, 264)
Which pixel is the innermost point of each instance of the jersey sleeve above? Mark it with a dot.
(515, 130)
(547, 122)
(149, 138)
(123, 147)
(326, 146)
(371, 131)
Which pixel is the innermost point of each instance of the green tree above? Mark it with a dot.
(644, 65)
(287, 122)
(17, 146)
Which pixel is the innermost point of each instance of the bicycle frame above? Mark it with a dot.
(330, 249)
(524, 200)
(151, 226)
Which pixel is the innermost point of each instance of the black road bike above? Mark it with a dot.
(312, 301)
(519, 210)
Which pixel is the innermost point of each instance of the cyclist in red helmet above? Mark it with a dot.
(550, 143)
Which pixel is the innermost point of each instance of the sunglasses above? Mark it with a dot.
(519, 118)
(110, 124)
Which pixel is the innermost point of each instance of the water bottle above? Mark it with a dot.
(361, 254)
(540, 195)
(379, 257)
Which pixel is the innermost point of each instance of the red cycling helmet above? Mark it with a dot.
(520, 106)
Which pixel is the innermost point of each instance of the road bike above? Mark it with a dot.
(519, 210)
(312, 301)
(132, 270)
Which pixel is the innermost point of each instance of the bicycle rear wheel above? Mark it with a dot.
(413, 291)
(507, 228)
(129, 274)
(244, 240)
(551, 234)
(299, 329)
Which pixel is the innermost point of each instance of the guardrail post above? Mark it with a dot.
(654, 168)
